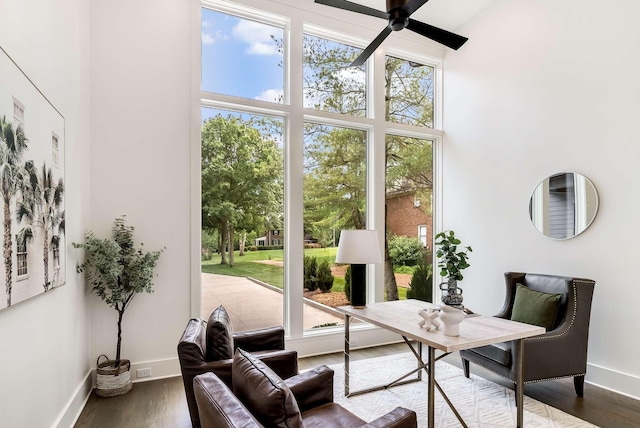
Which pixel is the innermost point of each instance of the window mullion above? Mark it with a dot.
(294, 174)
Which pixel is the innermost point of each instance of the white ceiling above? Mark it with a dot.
(446, 14)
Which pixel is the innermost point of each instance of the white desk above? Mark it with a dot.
(401, 316)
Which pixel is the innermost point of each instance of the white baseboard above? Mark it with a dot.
(160, 369)
(618, 382)
(73, 409)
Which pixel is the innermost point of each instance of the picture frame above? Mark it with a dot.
(32, 166)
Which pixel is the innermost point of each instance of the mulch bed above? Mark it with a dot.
(331, 299)
(337, 298)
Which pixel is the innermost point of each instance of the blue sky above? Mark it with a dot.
(240, 58)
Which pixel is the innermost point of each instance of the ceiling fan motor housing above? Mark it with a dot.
(398, 18)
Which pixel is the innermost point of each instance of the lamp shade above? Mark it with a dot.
(359, 246)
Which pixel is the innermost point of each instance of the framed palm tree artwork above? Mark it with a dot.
(31, 188)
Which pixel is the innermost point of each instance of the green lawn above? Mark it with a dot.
(247, 266)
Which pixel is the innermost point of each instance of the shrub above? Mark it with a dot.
(312, 245)
(421, 283)
(310, 269)
(253, 248)
(404, 251)
(324, 278)
(347, 283)
(270, 247)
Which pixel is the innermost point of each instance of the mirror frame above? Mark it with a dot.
(584, 193)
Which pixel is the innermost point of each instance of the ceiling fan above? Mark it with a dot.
(397, 14)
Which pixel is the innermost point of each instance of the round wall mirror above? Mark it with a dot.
(563, 205)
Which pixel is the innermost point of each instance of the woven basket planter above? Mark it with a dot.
(112, 380)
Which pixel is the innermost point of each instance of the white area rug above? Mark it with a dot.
(481, 403)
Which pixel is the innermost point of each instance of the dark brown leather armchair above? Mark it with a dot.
(313, 392)
(561, 351)
(208, 346)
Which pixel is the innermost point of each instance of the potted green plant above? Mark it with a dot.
(452, 260)
(116, 271)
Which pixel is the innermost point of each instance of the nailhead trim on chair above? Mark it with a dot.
(534, 380)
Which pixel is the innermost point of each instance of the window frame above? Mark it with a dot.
(22, 256)
(296, 22)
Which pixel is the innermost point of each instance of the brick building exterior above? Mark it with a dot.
(406, 216)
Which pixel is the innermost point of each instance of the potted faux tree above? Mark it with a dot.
(116, 271)
(452, 260)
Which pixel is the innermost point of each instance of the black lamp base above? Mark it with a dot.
(358, 286)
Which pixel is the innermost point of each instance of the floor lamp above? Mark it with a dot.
(358, 247)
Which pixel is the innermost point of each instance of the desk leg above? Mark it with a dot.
(431, 406)
(519, 382)
(347, 320)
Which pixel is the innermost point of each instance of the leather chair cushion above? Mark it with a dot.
(264, 394)
(219, 336)
(332, 415)
(498, 352)
(535, 307)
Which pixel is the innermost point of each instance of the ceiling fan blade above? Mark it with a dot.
(371, 48)
(353, 7)
(439, 35)
(413, 5)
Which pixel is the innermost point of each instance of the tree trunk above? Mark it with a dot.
(45, 258)
(231, 252)
(242, 243)
(359, 222)
(120, 314)
(223, 245)
(390, 285)
(7, 250)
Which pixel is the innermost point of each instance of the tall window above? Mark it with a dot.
(331, 149)
(18, 112)
(56, 255)
(55, 151)
(21, 256)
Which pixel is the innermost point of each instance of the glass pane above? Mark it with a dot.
(334, 199)
(409, 218)
(241, 57)
(409, 92)
(329, 83)
(242, 217)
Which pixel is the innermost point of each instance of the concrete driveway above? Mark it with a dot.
(251, 305)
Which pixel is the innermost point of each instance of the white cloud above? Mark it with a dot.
(271, 95)
(257, 36)
(209, 38)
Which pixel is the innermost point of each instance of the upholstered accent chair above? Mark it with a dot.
(208, 346)
(562, 350)
(259, 398)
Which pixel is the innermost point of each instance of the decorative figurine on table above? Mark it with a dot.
(429, 318)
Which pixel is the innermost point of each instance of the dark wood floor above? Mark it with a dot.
(161, 403)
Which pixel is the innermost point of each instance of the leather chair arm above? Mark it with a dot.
(397, 418)
(218, 407)
(312, 388)
(283, 362)
(264, 339)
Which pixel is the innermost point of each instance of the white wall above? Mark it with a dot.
(543, 87)
(140, 113)
(44, 357)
